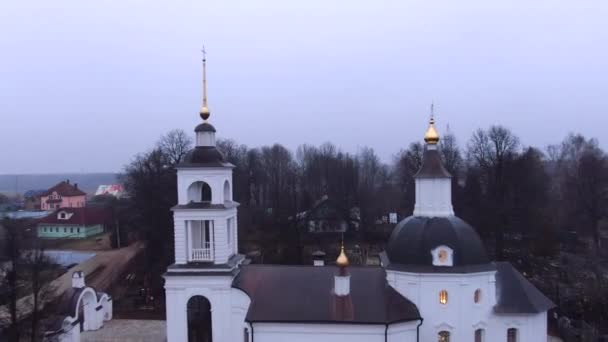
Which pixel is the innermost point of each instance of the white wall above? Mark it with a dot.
(214, 176)
(222, 252)
(275, 332)
(433, 197)
(228, 306)
(461, 316)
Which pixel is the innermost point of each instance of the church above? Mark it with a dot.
(435, 281)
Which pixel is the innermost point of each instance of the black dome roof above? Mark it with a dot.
(204, 127)
(206, 156)
(413, 239)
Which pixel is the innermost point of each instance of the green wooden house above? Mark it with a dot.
(74, 223)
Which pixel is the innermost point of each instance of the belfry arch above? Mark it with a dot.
(199, 319)
(199, 192)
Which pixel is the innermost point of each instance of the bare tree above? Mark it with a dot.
(583, 182)
(39, 276)
(406, 165)
(174, 145)
(492, 152)
(11, 282)
(450, 153)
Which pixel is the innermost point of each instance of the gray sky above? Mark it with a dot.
(85, 85)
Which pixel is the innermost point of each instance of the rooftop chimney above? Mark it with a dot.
(78, 279)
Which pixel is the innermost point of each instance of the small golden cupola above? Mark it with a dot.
(205, 113)
(342, 260)
(431, 136)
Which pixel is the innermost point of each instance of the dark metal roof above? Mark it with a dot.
(204, 156)
(516, 295)
(432, 166)
(79, 216)
(413, 239)
(204, 127)
(304, 294)
(207, 205)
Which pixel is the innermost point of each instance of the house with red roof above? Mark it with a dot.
(63, 195)
(74, 223)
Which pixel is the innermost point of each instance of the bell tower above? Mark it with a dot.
(205, 216)
(198, 285)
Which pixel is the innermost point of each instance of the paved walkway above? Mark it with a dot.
(127, 330)
(104, 267)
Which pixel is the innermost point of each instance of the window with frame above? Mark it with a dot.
(443, 336)
(512, 335)
(477, 296)
(443, 297)
(479, 335)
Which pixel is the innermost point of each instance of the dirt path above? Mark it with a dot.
(104, 268)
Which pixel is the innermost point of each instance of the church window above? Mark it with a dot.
(442, 256)
(512, 335)
(444, 336)
(245, 335)
(443, 297)
(479, 335)
(205, 193)
(477, 296)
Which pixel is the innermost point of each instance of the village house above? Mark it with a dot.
(63, 195)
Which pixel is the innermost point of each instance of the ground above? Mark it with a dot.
(101, 271)
(128, 330)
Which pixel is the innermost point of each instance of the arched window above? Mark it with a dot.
(227, 192)
(477, 296)
(205, 193)
(199, 192)
(199, 320)
(512, 335)
(443, 336)
(443, 297)
(480, 335)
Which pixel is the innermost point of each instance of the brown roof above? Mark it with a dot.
(81, 216)
(304, 294)
(64, 188)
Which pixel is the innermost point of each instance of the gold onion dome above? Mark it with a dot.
(431, 136)
(205, 113)
(342, 260)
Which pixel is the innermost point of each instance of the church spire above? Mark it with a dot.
(205, 110)
(431, 137)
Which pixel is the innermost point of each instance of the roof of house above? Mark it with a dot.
(276, 290)
(64, 188)
(516, 294)
(80, 216)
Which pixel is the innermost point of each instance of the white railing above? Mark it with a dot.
(202, 254)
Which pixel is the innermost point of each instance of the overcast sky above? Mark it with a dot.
(85, 85)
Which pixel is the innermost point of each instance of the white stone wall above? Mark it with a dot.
(433, 197)
(228, 306)
(214, 176)
(274, 332)
(461, 316)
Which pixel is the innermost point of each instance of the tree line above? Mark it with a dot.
(508, 191)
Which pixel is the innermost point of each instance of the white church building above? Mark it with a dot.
(435, 281)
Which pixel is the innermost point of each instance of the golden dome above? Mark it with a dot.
(342, 260)
(431, 136)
